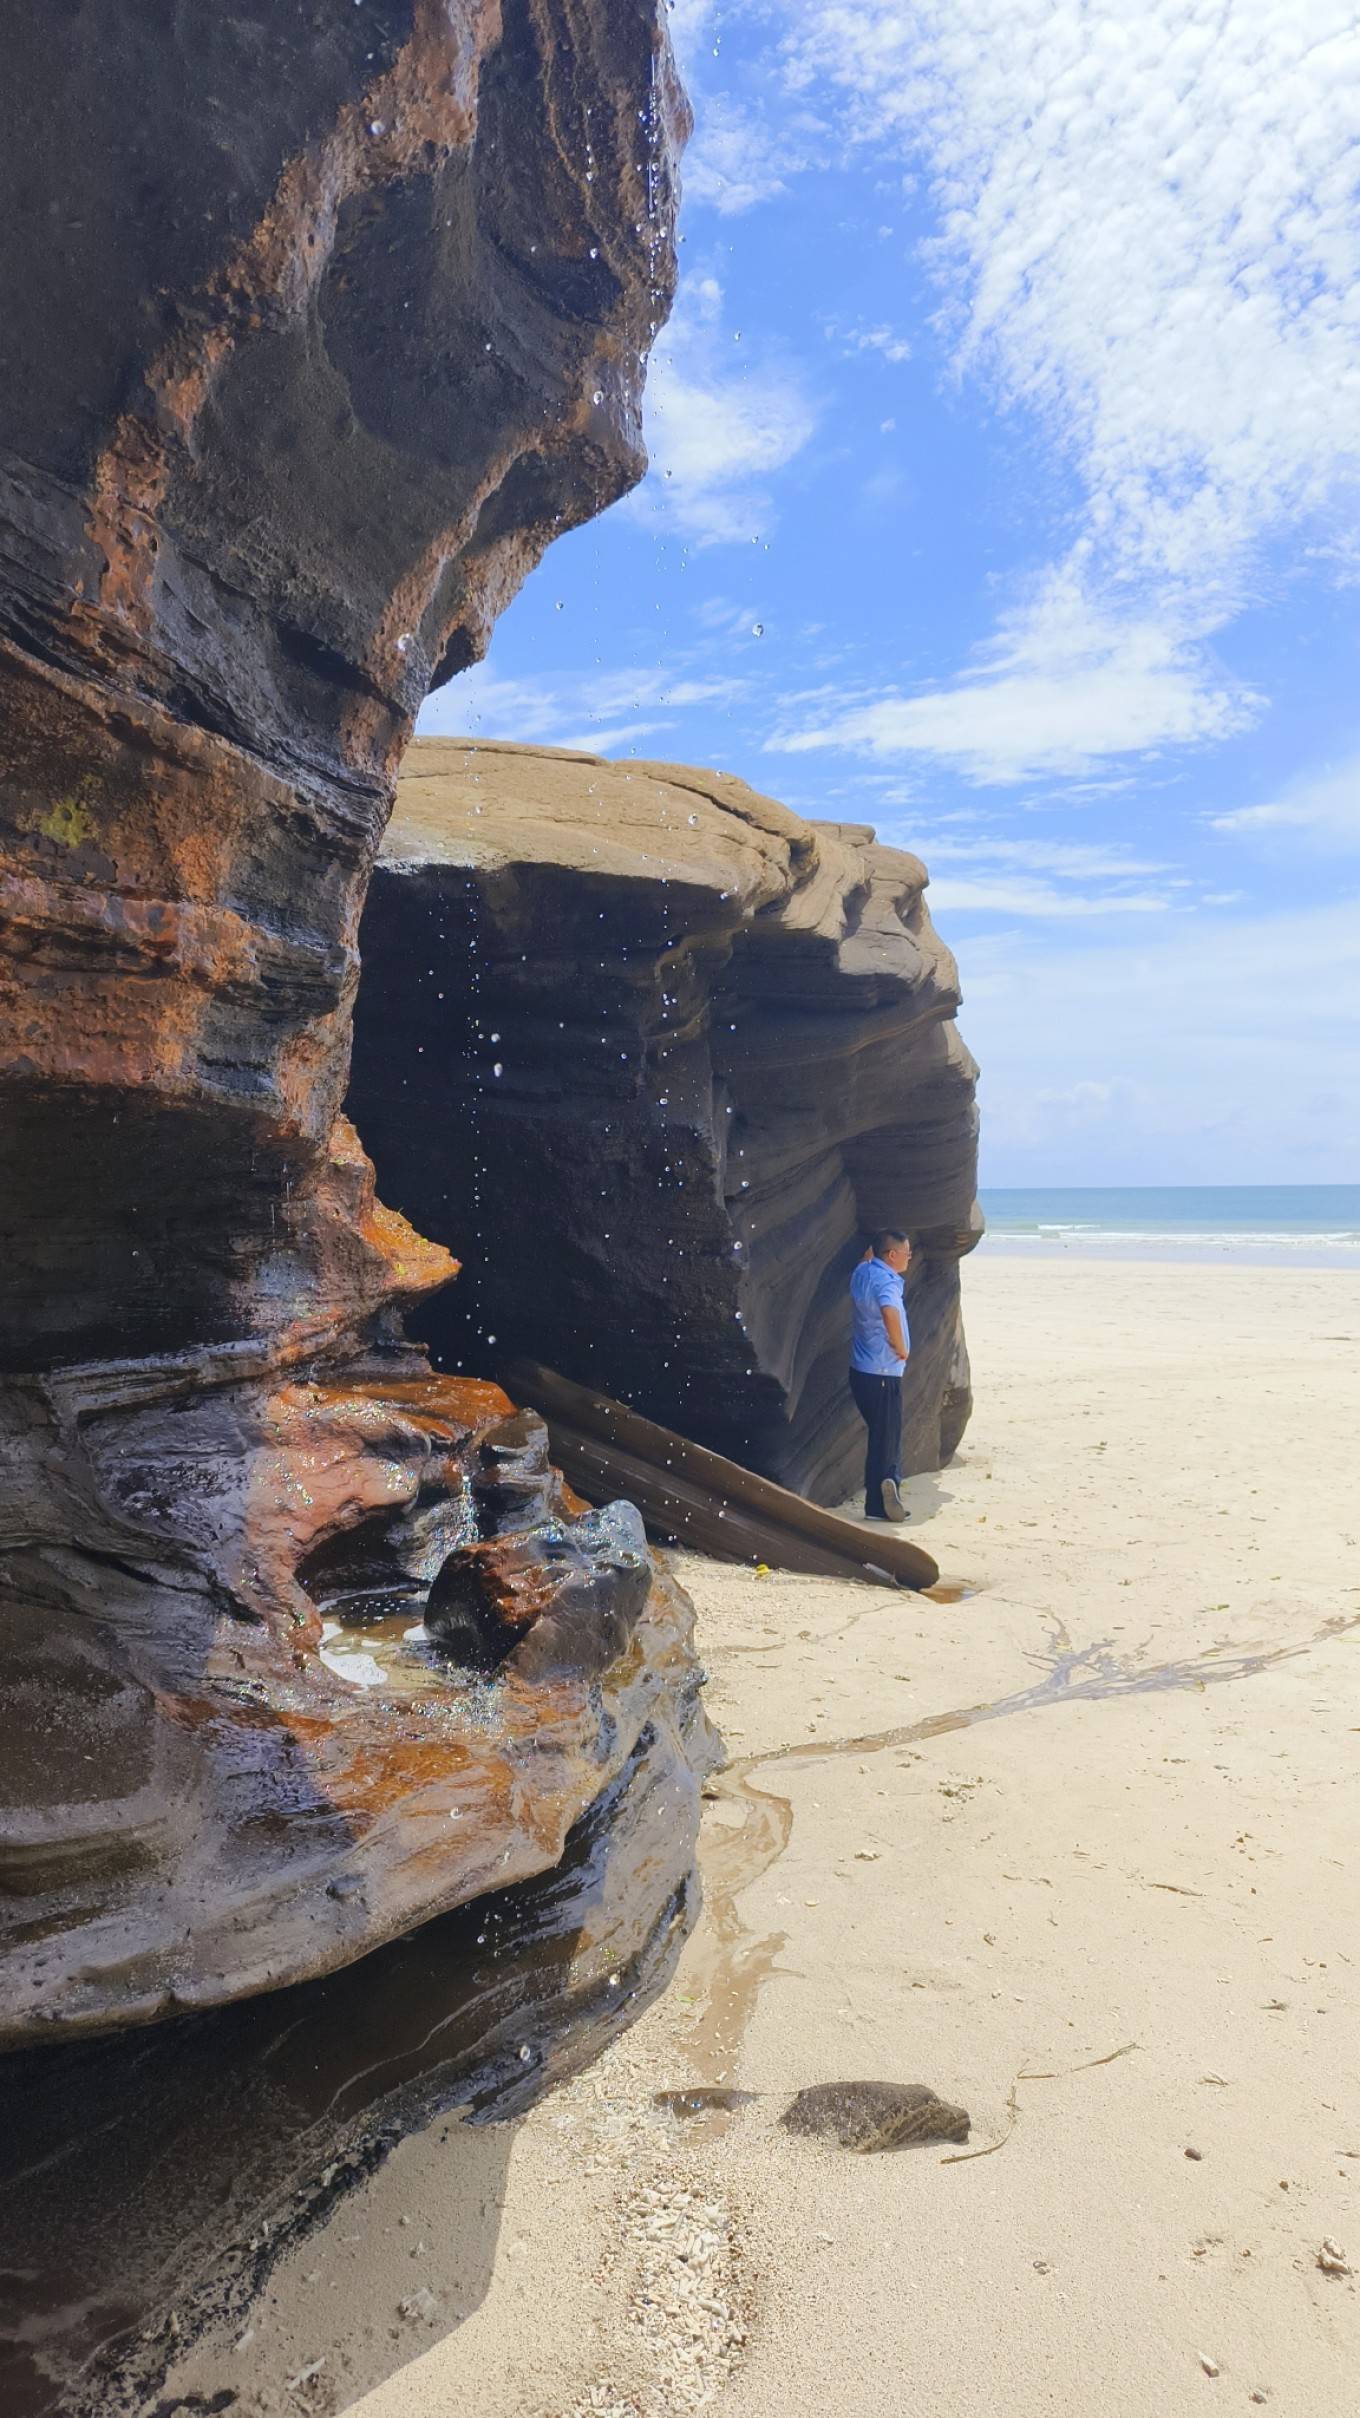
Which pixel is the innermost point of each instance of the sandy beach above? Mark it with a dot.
(1076, 1848)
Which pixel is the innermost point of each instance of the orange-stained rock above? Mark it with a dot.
(320, 323)
(233, 2136)
(558, 1598)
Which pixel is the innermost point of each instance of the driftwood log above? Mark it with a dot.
(702, 1499)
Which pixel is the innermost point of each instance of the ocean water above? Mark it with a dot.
(1298, 1225)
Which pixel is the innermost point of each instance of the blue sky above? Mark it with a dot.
(1005, 494)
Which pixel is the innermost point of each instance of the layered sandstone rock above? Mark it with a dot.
(320, 322)
(149, 2182)
(722, 1038)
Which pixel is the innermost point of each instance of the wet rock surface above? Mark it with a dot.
(320, 324)
(870, 2116)
(149, 2183)
(555, 1601)
(725, 1039)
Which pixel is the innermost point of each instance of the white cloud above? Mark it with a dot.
(690, 24)
(608, 738)
(1016, 895)
(1148, 238)
(1056, 691)
(480, 704)
(718, 423)
(720, 613)
(701, 692)
(594, 711)
(1027, 878)
(1341, 555)
(877, 339)
(1229, 1046)
(1149, 226)
(1072, 860)
(1322, 810)
(734, 160)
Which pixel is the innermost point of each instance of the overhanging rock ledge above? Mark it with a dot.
(656, 1052)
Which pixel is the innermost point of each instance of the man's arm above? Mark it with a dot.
(892, 1322)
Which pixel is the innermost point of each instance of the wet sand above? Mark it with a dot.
(1077, 1849)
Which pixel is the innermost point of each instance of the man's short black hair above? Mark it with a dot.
(884, 1241)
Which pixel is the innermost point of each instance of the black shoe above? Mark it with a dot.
(893, 1506)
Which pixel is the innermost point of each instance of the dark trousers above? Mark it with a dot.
(879, 1403)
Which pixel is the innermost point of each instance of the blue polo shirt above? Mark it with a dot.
(875, 1287)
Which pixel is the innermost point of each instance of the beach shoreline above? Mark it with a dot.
(1188, 1225)
(1124, 1251)
(1075, 1850)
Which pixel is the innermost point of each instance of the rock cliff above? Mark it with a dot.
(320, 322)
(653, 1053)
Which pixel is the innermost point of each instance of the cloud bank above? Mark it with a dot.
(1149, 239)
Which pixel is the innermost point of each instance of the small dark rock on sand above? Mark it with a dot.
(875, 2115)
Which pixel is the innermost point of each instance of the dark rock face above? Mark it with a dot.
(320, 322)
(723, 1039)
(234, 2134)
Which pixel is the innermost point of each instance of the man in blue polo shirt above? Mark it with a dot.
(879, 1344)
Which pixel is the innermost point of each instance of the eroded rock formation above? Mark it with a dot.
(320, 322)
(229, 2139)
(722, 1038)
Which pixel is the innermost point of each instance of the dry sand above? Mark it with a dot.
(1079, 1850)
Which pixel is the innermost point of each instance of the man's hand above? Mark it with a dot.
(892, 1327)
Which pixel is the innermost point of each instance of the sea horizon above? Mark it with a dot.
(1294, 1225)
